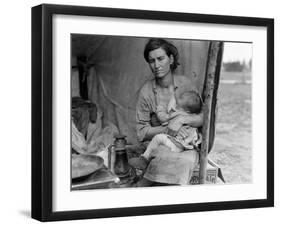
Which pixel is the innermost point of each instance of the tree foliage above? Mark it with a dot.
(237, 66)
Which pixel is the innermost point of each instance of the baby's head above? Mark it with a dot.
(190, 101)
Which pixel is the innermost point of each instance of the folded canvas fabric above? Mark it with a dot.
(98, 138)
(78, 141)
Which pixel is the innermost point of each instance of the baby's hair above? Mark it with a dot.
(190, 101)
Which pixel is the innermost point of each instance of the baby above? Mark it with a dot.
(188, 103)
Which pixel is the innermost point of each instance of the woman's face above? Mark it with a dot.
(160, 62)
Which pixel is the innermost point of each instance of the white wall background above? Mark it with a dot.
(15, 113)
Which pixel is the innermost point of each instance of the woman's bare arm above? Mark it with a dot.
(194, 120)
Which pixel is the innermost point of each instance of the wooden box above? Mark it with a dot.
(211, 175)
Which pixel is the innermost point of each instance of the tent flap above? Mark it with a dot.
(118, 71)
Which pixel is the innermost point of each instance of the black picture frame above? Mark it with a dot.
(42, 107)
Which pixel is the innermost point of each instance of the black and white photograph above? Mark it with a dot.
(153, 111)
(139, 112)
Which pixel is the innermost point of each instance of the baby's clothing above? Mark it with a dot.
(160, 139)
(175, 143)
(192, 141)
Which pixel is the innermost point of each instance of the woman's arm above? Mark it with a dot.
(152, 131)
(194, 120)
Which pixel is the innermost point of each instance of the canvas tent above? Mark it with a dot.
(116, 70)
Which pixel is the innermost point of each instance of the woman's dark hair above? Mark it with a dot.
(169, 48)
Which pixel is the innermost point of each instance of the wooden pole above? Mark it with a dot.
(210, 101)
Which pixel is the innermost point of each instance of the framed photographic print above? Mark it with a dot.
(145, 112)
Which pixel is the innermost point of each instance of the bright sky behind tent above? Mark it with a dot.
(237, 51)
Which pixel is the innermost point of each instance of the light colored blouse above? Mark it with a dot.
(149, 98)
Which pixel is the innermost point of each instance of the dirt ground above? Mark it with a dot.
(232, 150)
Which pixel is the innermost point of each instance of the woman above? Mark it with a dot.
(162, 57)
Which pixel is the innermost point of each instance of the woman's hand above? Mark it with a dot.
(183, 132)
(175, 125)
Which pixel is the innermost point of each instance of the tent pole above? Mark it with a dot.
(209, 107)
